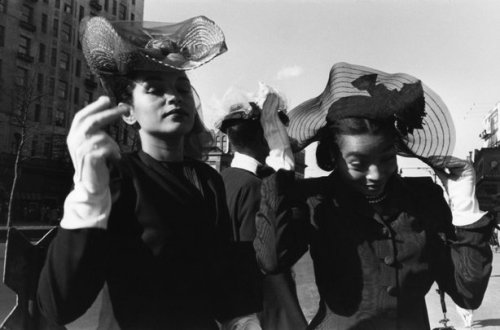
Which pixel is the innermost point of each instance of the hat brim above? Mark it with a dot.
(435, 138)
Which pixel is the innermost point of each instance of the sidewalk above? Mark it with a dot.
(486, 317)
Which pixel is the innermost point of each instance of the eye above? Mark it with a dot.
(184, 87)
(154, 88)
(356, 165)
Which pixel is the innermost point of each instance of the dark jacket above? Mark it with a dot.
(273, 296)
(164, 255)
(373, 269)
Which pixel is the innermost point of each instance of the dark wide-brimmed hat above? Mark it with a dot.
(419, 114)
(115, 49)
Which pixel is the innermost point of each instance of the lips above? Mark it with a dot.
(176, 111)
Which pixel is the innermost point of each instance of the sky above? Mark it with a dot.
(452, 46)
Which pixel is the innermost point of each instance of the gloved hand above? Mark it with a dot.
(459, 180)
(90, 148)
(280, 154)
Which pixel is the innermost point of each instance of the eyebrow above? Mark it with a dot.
(361, 155)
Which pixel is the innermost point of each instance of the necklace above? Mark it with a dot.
(377, 199)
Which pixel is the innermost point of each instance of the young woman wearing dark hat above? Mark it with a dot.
(155, 232)
(378, 241)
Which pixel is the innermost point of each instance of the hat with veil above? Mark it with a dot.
(421, 118)
(116, 49)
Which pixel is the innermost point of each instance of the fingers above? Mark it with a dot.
(101, 103)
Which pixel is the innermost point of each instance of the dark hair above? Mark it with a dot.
(328, 151)
(245, 133)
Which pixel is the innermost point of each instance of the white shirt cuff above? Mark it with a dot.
(86, 210)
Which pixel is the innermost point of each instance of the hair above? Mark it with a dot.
(197, 142)
(245, 134)
(328, 150)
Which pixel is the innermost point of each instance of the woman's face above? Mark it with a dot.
(163, 103)
(367, 161)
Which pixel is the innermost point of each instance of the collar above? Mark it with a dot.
(245, 162)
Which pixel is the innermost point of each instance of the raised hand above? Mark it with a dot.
(88, 205)
(280, 155)
(459, 179)
(90, 147)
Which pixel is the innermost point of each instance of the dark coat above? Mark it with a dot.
(164, 255)
(373, 269)
(273, 296)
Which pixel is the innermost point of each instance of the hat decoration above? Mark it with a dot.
(420, 116)
(119, 47)
(239, 106)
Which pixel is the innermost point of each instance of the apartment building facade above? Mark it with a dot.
(43, 71)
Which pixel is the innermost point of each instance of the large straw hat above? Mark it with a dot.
(421, 117)
(115, 49)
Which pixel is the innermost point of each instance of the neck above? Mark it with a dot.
(169, 149)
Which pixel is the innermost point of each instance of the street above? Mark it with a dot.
(486, 317)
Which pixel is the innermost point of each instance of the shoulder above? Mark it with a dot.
(423, 186)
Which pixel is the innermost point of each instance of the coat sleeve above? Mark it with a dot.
(75, 267)
(73, 274)
(464, 264)
(282, 224)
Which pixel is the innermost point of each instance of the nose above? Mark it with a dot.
(173, 98)
(374, 173)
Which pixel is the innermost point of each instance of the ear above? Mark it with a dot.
(129, 117)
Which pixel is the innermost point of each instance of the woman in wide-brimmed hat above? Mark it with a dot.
(378, 241)
(155, 231)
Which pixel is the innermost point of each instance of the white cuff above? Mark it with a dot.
(86, 210)
(465, 218)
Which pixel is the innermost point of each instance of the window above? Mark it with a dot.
(132, 17)
(78, 68)
(39, 83)
(81, 13)
(2, 35)
(133, 2)
(64, 61)
(58, 4)
(62, 91)
(122, 14)
(47, 146)
(60, 118)
(41, 53)
(53, 57)
(67, 8)
(55, 27)
(114, 7)
(3, 6)
(106, 5)
(49, 115)
(76, 95)
(22, 76)
(24, 45)
(66, 32)
(45, 20)
(34, 145)
(37, 114)
(52, 86)
(27, 14)
(88, 97)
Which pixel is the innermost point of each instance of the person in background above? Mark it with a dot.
(268, 295)
(150, 227)
(378, 241)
